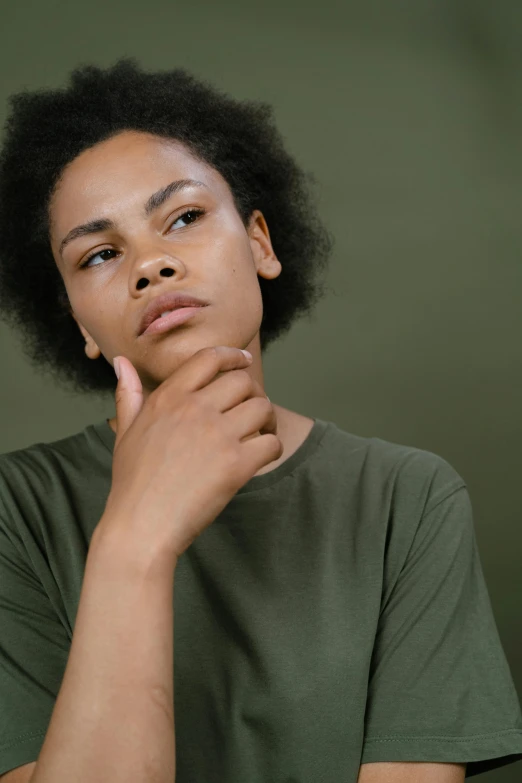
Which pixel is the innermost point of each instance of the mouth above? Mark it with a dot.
(173, 319)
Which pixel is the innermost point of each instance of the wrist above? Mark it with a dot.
(114, 542)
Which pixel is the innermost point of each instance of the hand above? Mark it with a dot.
(181, 456)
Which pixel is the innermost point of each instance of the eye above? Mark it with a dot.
(196, 213)
(95, 255)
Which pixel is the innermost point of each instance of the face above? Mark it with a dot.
(209, 254)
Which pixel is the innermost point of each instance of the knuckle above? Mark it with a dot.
(278, 446)
(211, 352)
(230, 453)
(264, 404)
(231, 460)
(276, 442)
(195, 408)
(166, 396)
(244, 380)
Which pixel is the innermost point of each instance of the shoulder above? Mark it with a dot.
(401, 471)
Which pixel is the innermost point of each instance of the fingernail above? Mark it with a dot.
(117, 368)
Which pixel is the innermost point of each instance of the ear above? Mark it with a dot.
(266, 261)
(91, 349)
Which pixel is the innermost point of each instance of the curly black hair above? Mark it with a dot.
(47, 129)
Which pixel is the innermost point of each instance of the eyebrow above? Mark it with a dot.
(152, 204)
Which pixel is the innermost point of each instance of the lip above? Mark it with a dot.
(179, 316)
(171, 300)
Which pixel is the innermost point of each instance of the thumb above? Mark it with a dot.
(128, 396)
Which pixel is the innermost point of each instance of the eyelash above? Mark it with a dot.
(194, 210)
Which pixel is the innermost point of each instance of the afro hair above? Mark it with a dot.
(47, 129)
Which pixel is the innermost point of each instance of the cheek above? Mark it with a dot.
(98, 326)
(251, 301)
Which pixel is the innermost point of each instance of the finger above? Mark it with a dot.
(271, 424)
(128, 397)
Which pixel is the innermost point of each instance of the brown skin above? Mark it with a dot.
(211, 256)
(214, 258)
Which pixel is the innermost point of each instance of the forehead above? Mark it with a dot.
(120, 173)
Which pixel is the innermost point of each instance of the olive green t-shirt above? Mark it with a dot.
(334, 613)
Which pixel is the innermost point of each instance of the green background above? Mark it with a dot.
(410, 116)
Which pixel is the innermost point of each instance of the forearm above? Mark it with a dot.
(113, 721)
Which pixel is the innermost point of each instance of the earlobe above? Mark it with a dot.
(91, 349)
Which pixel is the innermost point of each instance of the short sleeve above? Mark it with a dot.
(34, 648)
(440, 688)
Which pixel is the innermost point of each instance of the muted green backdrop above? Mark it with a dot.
(410, 115)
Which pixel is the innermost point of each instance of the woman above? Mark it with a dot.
(331, 619)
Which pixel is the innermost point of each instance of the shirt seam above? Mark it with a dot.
(462, 485)
(437, 738)
(21, 739)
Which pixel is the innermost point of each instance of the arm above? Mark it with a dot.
(113, 720)
(411, 772)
